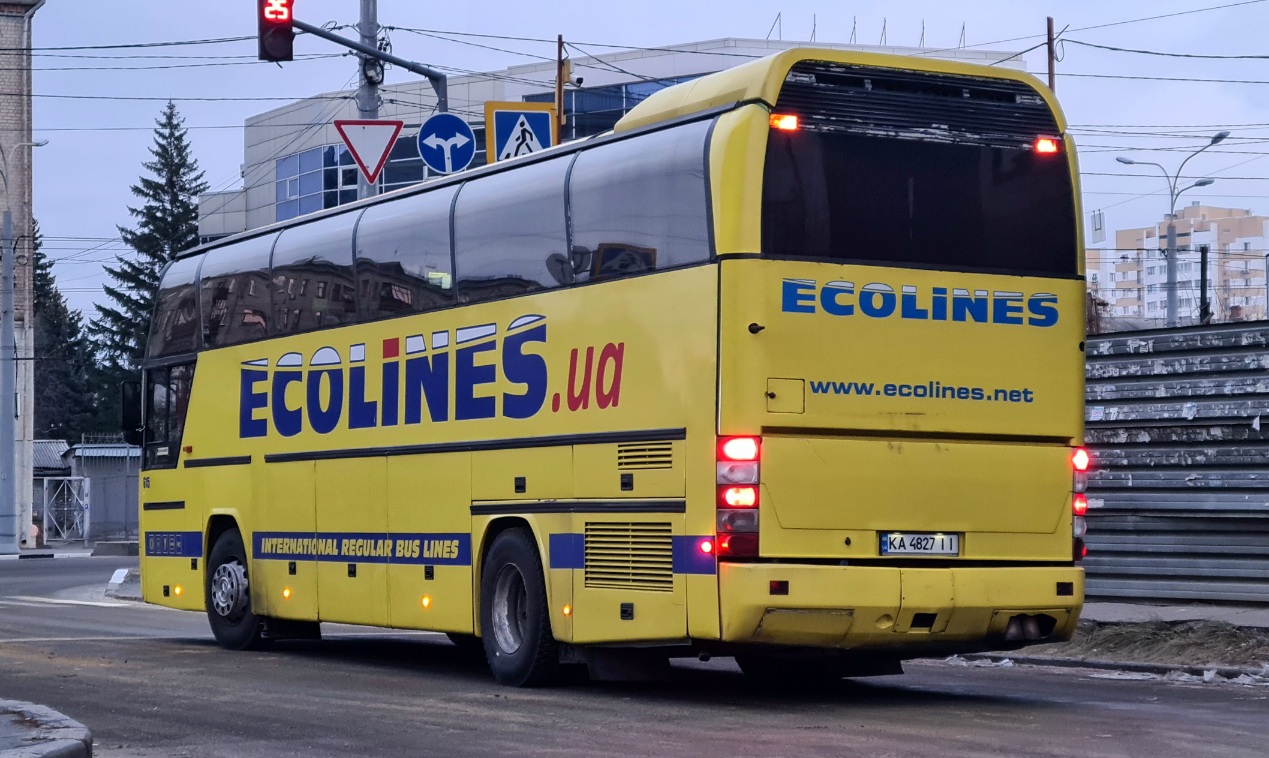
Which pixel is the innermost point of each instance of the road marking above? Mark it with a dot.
(61, 601)
(90, 639)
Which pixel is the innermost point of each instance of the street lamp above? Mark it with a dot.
(1173, 193)
(8, 374)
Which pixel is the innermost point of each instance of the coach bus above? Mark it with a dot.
(788, 367)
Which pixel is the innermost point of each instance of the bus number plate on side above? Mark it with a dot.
(907, 543)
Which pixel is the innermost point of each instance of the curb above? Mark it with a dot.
(52, 735)
(125, 585)
(1161, 669)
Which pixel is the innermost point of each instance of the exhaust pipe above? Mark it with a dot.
(1027, 628)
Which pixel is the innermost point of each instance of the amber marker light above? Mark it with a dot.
(567, 610)
(177, 590)
(1046, 145)
(286, 593)
(785, 122)
(426, 602)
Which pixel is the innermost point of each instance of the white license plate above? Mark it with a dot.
(920, 543)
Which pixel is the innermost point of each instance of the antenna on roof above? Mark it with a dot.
(922, 42)
(883, 32)
(812, 27)
(774, 24)
(962, 42)
(854, 29)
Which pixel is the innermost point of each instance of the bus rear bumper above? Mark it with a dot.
(887, 607)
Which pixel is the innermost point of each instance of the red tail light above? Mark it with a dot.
(1047, 145)
(1079, 504)
(1080, 459)
(739, 449)
(737, 466)
(738, 545)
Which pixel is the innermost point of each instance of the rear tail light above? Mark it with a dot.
(1080, 461)
(736, 515)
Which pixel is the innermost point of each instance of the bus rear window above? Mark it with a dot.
(908, 202)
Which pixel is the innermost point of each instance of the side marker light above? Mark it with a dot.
(286, 593)
(706, 546)
(1046, 145)
(785, 122)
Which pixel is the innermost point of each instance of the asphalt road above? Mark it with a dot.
(150, 682)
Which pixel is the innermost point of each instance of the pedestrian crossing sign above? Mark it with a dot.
(516, 129)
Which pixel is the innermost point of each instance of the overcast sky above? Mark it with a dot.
(97, 143)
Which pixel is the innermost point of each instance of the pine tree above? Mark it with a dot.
(64, 407)
(166, 224)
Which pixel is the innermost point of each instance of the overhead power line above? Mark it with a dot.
(1205, 56)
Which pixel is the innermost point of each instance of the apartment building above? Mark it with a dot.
(1131, 278)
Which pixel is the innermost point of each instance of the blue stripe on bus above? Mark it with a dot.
(173, 544)
(568, 551)
(443, 549)
(688, 558)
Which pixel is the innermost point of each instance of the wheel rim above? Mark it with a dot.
(510, 609)
(229, 590)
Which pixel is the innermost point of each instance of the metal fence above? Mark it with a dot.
(1178, 422)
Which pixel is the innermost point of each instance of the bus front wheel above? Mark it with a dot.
(514, 621)
(228, 599)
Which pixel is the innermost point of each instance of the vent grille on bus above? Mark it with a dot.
(915, 105)
(636, 556)
(635, 456)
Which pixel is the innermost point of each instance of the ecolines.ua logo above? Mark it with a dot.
(879, 300)
(418, 385)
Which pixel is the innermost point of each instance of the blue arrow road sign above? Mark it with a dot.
(446, 143)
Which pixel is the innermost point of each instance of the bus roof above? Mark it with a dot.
(761, 80)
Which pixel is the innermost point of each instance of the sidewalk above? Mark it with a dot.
(76, 550)
(1119, 613)
(33, 731)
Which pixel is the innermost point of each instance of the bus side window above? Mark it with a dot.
(506, 228)
(640, 204)
(403, 256)
(174, 329)
(312, 277)
(168, 391)
(234, 292)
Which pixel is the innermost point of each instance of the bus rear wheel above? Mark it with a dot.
(228, 596)
(514, 621)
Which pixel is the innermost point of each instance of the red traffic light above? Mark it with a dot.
(276, 35)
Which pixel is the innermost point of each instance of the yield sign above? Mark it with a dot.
(369, 142)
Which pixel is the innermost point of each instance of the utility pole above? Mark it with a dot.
(1052, 59)
(371, 76)
(561, 74)
(1205, 307)
(9, 538)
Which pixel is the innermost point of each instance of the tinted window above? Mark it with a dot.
(640, 205)
(168, 391)
(175, 326)
(403, 255)
(506, 227)
(900, 202)
(312, 276)
(235, 292)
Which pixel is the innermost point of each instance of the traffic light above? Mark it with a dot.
(276, 34)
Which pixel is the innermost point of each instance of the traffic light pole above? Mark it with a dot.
(369, 77)
(438, 80)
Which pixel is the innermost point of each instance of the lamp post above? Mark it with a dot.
(1173, 193)
(10, 529)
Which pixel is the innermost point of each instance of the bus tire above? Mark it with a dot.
(228, 596)
(514, 621)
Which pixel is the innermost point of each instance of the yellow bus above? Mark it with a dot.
(786, 367)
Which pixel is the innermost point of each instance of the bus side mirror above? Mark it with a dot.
(130, 412)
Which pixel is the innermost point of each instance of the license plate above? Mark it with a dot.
(919, 543)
